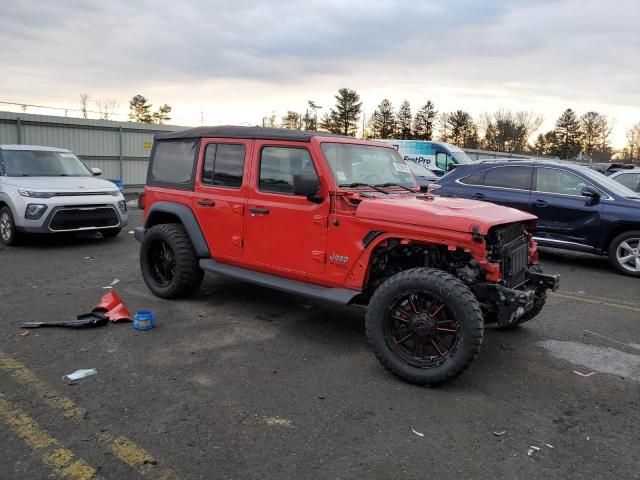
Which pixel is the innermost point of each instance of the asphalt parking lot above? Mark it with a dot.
(241, 382)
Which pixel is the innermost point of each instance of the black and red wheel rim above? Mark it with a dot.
(162, 263)
(421, 330)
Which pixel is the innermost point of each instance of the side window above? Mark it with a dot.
(442, 161)
(477, 179)
(223, 165)
(630, 180)
(173, 162)
(551, 180)
(278, 165)
(509, 177)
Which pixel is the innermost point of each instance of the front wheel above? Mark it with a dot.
(425, 326)
(624, 253)
(168, 262)
(8, 232)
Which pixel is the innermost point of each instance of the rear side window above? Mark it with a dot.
(477, 179)
(173, 163)
(509, 177)
(223, 165)
(630, 180)
(279, 164)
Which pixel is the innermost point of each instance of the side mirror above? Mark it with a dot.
(96, 171)
(307, 184)
(590, 192)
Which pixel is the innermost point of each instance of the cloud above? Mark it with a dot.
(526, 51)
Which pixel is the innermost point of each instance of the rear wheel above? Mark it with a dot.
(8, 233)
(168, 262)
(624, 253)
(425, 326)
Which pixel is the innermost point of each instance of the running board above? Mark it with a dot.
(342, 296)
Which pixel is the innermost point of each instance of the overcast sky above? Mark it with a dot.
(237, 61)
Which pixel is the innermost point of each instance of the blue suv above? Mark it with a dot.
(577, 207)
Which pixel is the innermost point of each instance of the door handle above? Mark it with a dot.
(206, 203)
(478, 196)
(261, 211)
(541, 203)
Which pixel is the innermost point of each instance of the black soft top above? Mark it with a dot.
(230, 131)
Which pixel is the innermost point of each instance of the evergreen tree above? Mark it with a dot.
(567, 135)
(310, 119)
(461, 130)
(140, 110)
(595, 129)
(403, 123)
(292, 121)
(162, 114)
(424, 122)
(383, 120)
(343, 119)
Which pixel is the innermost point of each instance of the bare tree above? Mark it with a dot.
(507, 131)
(84, 104)
(107, 108)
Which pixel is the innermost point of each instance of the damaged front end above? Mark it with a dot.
(521, 292)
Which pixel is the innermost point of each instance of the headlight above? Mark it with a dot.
(122, 205)
(34, 211)
(29, 193)
(115, 193)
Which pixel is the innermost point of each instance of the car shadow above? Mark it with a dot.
(63, 240)
(574, 259)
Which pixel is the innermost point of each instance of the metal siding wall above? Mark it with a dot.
(98, 146)
(135, 171)
(110, 167)
(8, 133)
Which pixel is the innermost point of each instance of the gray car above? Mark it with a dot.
(628, 178)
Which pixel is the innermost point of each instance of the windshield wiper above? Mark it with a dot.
(391, 184)
(359, 184)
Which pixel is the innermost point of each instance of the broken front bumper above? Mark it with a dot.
(507, 305)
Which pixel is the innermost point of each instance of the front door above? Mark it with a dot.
(285, 231)
(219, 203)
(564, 214)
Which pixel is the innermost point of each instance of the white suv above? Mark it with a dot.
(49, 190)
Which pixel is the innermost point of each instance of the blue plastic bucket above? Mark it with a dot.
(144, 320)
(118, 183)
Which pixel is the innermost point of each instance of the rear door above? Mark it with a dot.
(285, 231)
(221, 194)
(564, 214)
(509, 186)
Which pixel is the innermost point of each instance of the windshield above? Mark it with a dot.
(351, 164)
(41, 163)
(421, 171)
(608, 183)
(459, 156)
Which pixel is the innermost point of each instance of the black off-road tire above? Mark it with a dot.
(457, 298)
(538, 305)
(11, 235)
(613, 247)
(188, 274)
(110, 232)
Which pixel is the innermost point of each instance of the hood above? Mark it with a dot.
(60, 184)
(456, 214)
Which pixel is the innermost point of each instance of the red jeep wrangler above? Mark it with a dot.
(342, 220)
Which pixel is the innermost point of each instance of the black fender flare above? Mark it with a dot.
(188, 220)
